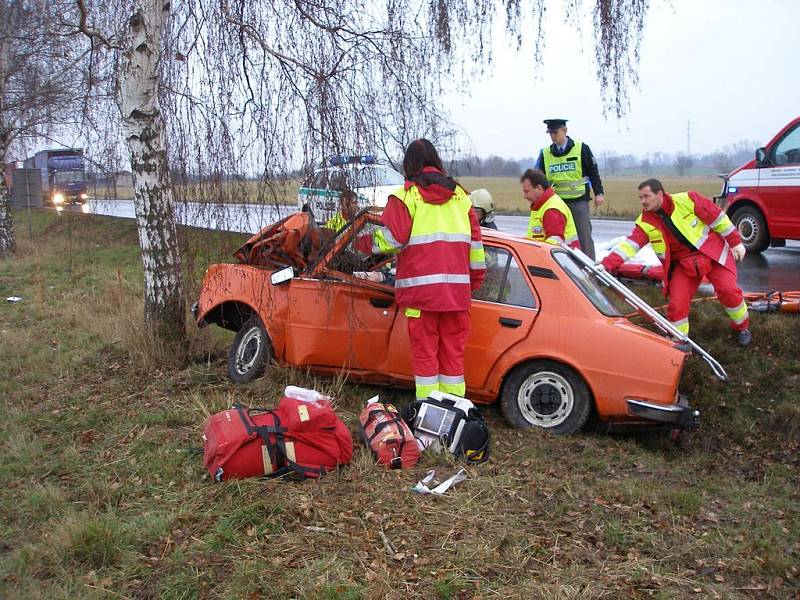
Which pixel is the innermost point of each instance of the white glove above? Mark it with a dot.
(738, 252)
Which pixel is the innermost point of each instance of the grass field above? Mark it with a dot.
(621, 198)
(103, 495)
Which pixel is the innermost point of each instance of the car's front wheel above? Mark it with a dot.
(250, 352)
(752, 228)
(546, 394)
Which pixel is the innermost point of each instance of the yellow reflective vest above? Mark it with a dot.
(565, 173)
(536, 226)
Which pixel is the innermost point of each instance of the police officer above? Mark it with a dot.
(570, 167)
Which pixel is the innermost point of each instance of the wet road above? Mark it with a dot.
(775, 269)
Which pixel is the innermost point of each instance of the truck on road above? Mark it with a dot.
(63, 175)
(762, 197)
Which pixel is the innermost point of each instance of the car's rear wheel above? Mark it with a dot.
(752, 228)
(546, 394)
(250, 352)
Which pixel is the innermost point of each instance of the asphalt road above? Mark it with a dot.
(775, 269)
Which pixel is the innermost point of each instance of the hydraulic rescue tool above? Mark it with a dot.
(645, 309)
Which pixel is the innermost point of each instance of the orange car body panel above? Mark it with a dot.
(328, 321)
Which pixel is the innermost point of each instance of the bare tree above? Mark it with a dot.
(683, 162)
(646, 165)
(38, 79)
(721, 161)
(215, 94)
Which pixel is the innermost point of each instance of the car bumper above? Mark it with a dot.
(680, 415)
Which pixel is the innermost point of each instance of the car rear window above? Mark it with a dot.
(504, 282)
(604, 299)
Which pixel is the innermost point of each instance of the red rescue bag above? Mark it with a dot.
(306, 438)
(388, 436)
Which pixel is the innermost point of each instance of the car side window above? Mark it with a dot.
(504, 282)
(787, 151)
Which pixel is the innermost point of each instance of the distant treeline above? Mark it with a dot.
(612, 163)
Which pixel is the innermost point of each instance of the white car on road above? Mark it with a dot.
(371, 181)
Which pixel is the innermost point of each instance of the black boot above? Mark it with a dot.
(744, 338)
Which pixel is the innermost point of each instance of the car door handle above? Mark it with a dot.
(506, 322)
(380, 302)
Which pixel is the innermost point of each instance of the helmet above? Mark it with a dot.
(483, 199)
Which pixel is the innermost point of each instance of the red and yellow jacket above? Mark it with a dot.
(702, 223)
(430, 224)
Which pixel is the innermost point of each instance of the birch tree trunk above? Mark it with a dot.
(7, 242)
(143, 126)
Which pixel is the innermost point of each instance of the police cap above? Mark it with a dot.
(555, 124)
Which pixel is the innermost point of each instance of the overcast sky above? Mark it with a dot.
(731, 67)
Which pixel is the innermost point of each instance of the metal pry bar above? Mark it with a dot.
(645, 309)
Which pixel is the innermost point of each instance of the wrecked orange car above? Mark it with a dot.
(547, 341)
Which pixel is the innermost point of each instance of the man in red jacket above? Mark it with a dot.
(430, 223)
(693, 239)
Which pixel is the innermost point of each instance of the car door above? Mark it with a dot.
(338, 324)
(779, 184)
(502, 314)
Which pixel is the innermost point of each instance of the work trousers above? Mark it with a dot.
(437, 351)
(580, 214)
(682, 287)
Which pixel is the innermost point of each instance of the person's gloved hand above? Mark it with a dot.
(363, 244)
(738, 252)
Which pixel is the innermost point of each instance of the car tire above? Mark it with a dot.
(752, 228)
(250, 352)
(546, 394)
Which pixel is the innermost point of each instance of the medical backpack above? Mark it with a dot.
(388, 436)
(298, 437)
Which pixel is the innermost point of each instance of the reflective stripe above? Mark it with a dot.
(431, 279)
(425, 385)
(290, 454)
(570, 185)
(727, 231)
(554, 239)
(413, 313)
(266, 459)
(703, 237)
(738, 314)
(439, 236)
(383, 242)
(682, 325)
(479, 264)
(451, 379)
(716, 222)
(724, 254)
(457, 389)
(572, 239)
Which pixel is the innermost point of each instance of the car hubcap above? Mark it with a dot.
(248, 350)
(748, 229)
(546, 399)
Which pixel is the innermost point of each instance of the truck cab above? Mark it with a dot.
(762, 197)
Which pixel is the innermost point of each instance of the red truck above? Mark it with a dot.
(762, 197)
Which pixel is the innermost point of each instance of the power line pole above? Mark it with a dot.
(688, 137)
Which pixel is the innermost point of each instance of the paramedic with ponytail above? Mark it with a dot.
(693, 239)
(430, 224)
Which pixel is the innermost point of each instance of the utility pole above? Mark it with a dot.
(688, 137)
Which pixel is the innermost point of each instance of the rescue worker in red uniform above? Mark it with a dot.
(551, 220)
(693, 238)
(430, 224)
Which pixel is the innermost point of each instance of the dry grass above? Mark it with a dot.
(103, 496)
